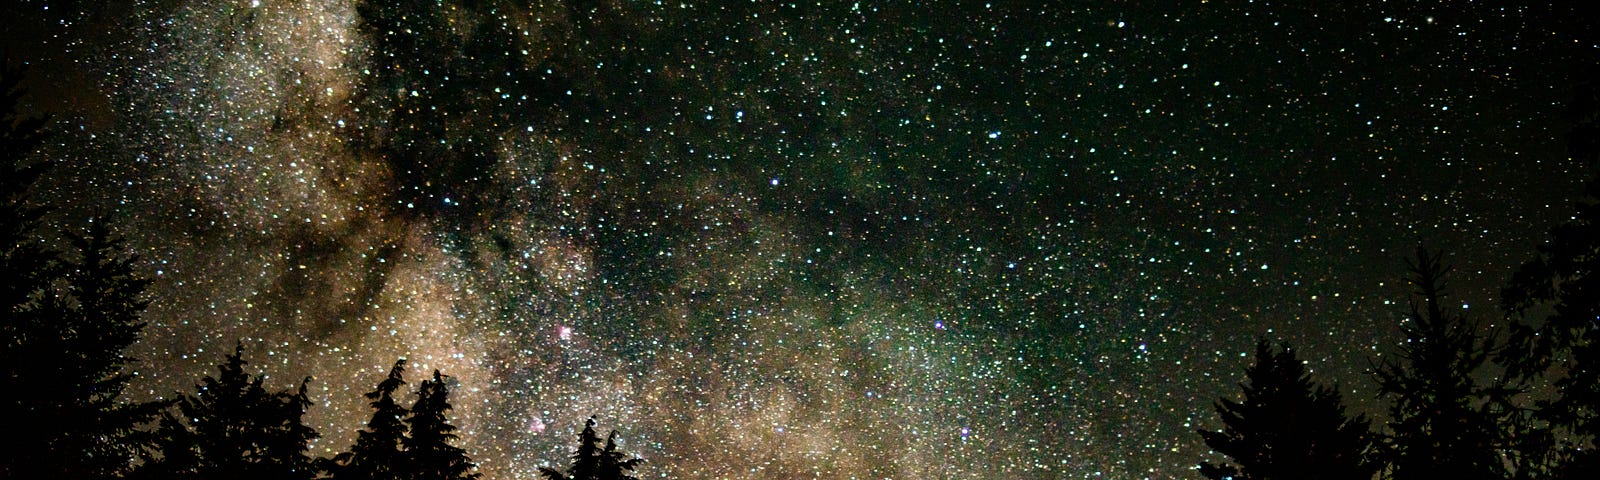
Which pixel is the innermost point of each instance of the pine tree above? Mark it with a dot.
(1557, 298)
(377, 453)
(234, 428)
(1287, 427)
(1441, 420)
(67, 321)
(429, 449)
(288, 443)
(585, 460)
(592, 462)
(96, 436)
(28, 268)
(615, 465)
(24, 262)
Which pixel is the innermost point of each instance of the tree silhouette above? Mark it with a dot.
(234, 428)
(593, 462)
(67, 320)
(97, 430)
(1441, 420)
(1287, 427)
(615, 465)
(1556, 296)
(377, 453)
(23, 261)
(429, 450)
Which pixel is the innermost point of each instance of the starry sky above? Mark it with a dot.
(793, 240)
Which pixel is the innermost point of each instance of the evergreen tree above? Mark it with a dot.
(1287, 427)
(585, 460)
(24, 262)
(234, 428)
(1557, 298)
(67, 321)
(593, 462)
(97, 430)
(28, 268)
(615, 465)
(377, 453)
(429, 449)
(1442, 422)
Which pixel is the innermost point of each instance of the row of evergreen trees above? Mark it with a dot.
(1465, 400)
(68, 317)
(1444, 420)
(233, 426)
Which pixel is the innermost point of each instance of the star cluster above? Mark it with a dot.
(802, 240)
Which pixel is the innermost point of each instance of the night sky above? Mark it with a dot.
(784, 240)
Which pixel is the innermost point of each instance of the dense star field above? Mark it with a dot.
(800, 240)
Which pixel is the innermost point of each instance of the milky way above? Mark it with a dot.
(780, 240)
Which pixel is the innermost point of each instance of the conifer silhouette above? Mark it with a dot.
(1441, 420)
(378, 451)
(98, 437)
(66, 321)
(615, 465)
(1556, 297)
(593, 462)
(24, 262)
(430, 452)
(1287, 427)
(234, 428)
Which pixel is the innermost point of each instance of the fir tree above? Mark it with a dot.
(234, 428)
(1442, 421)
(585, 460)
(1556, 297)
(28, 268)
(1287, 427)
(429, 449)
(593, 462)
(97, 437)
(377, 453)
(615, 465)
(24, 262)
(67, 321)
